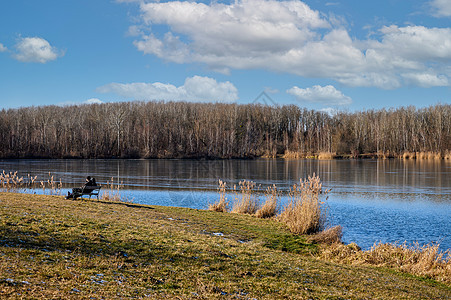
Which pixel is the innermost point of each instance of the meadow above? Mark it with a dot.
(56, 248)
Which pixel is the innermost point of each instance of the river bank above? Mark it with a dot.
(53, 247)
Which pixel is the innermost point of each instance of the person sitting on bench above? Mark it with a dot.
(76, 192)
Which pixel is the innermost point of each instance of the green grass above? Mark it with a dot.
(64, 249)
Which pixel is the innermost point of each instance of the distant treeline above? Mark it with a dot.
(182, 129)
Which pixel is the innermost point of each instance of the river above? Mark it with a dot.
(374, 200)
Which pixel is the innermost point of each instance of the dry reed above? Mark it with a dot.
(13, 183)
(293, 155)
(425, 260)
(329, 236)
(270, 208)
(305, 213)
(248, 202)
(222, 204)
(112, 191)
(327, 155)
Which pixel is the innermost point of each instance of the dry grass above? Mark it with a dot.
(328, 236)
(293, 155)
(248, 202)
(305, 213)
(112, 191)
(270, 208)
(425, 260)
(327, 155)
(222, 205)
(57, 249)
(447, 155)
(408, 155)
(423, 155)
(13, 183)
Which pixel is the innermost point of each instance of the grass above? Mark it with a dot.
(222, 205)
(53, 248)
(247, 202)
(305, 213)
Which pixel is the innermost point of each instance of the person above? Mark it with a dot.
(90, 182)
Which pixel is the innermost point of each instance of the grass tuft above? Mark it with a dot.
(112, 191)
(328, 236)
(426, 260)
(270, 208)
(304, 214)
(222, 204)
(248, 202)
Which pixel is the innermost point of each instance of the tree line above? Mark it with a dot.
(216, 130)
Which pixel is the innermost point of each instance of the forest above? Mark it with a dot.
(218, 130)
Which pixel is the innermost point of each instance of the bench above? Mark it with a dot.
(88, 191)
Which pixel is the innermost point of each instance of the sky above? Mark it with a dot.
(348, 55)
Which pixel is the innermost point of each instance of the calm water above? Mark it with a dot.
(385, 200)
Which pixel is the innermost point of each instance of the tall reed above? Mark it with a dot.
(248, 202)
(305, 213)
(271, 206)
(426, 260)
(222, 204)
(112, 191)
(12, 182)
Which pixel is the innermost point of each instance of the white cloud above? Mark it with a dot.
(93, 101)
(327, 95)
(35, 49)
(195, 88)
(3, 48)
(290, 37)
(441, 8)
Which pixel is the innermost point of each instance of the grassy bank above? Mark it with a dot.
(56, 248)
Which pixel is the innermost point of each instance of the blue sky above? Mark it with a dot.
(346, 55)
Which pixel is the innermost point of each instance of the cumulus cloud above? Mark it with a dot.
(3, 48)
(441, 8)
(327, 95)
(290, 37)
(195, 88)
(35, 49)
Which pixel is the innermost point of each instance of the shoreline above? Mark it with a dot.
(289, 155)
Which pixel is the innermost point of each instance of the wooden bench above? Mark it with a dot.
(88, 191)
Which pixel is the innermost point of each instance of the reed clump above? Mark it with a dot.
(248, 202)
(54, 187)
(222, 205)
(426, 260)
(423, 155)
(327, 155)
(11, 182)
(328, 236)
(270, 208)
(305, 213)
(112, 191)
(293, 155)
